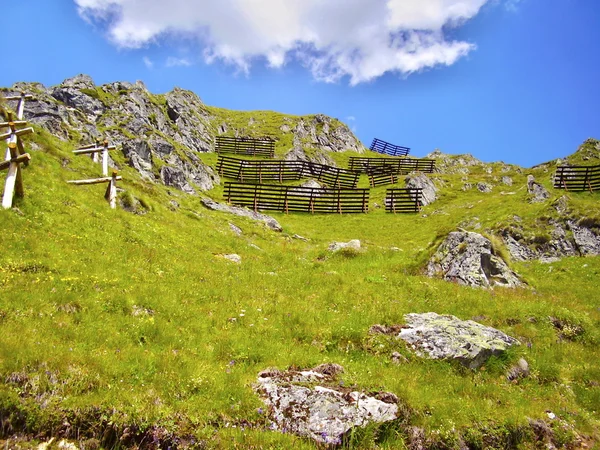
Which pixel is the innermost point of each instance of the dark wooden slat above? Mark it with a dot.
(403, 200)
(247, 146)
(400, 165)
(577, 178)
(258, 171)
(386, 148)
(297, 199)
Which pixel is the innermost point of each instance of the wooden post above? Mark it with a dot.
(14, 180)
(111, 190)
(105, 159)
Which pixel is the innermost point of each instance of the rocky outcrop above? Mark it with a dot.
(447, 337)
(242, 212)
(297, 153)
(468, 258)
(171, 128)
(537, 192)
(308, 404)
(588, 243)
(453, 164)
(421, 181)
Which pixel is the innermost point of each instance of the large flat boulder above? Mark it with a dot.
(447, 337)
(307, 404)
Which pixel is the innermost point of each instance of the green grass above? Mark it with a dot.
(116, 319)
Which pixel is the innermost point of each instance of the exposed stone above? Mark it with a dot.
(538, 192)
(517, 251)
(447, 337)
(519, 370)
(421, 181)
(139, 156)
(71, 93)
(172, 176)
(297, 153)
(354, 244)
(242, 212)
(233, 258)
(468, 258)
(237, 230)
(507, 180)
(398, 358)
(484, 187)
(588, 243)
(305, 403)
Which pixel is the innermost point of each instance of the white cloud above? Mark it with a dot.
(148, 62)
(359, 39)
(175, 62)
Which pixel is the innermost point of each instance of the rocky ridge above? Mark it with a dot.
(161, 136)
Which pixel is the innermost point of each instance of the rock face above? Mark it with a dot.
(538, 192)
(305, 403)
(150, 129)
(447, 337)
(318, 156)
(468, 258)
(454, 163)
(421, 181)
(243, 212)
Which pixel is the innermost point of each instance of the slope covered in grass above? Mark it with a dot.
(118, 328)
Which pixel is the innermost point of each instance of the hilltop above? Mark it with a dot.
(136, 328)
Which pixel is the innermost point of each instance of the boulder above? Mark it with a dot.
(421, 181)
(486, 188)
(297, 153)
(507, 180)
(307, 404)
(469, 259)
(588, 243)
(72, 92)
(242, 212)
(354, 244)
(448, 337)
(538, 192)
(175, 177)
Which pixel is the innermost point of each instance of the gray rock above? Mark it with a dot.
(233, 258)
(507, 181)
(139, 156)
(242, 212)
(354, 244)
(468, 258)
(421, 181)
(175, 177)
(305, 404)
(538, 192)
(71, 94)
(517, 251)
(484, 187)
(587, 242)
(519, 370)
(237, 230)
(447, 337)
(318, 156)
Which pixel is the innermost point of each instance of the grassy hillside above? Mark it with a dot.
(119, 327)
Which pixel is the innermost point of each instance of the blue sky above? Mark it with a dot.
(510, 80)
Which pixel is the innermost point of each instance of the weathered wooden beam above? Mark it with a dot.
(16, 123)
(85, 151)
(19, 97)
(20, 132)
(111, 190)
(9, 186)
(18, 160)
(94, 181)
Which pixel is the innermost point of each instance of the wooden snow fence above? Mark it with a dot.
(94, 150)
(15, 154)
(297, 199)
(264, 147)
(400, 165)
(577, 178)
(258, 171)
(403, 200)
(382, 175)
(386, 148)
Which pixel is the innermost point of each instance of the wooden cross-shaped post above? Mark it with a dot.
(94, 150)
(111, 191)
(15, 156)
